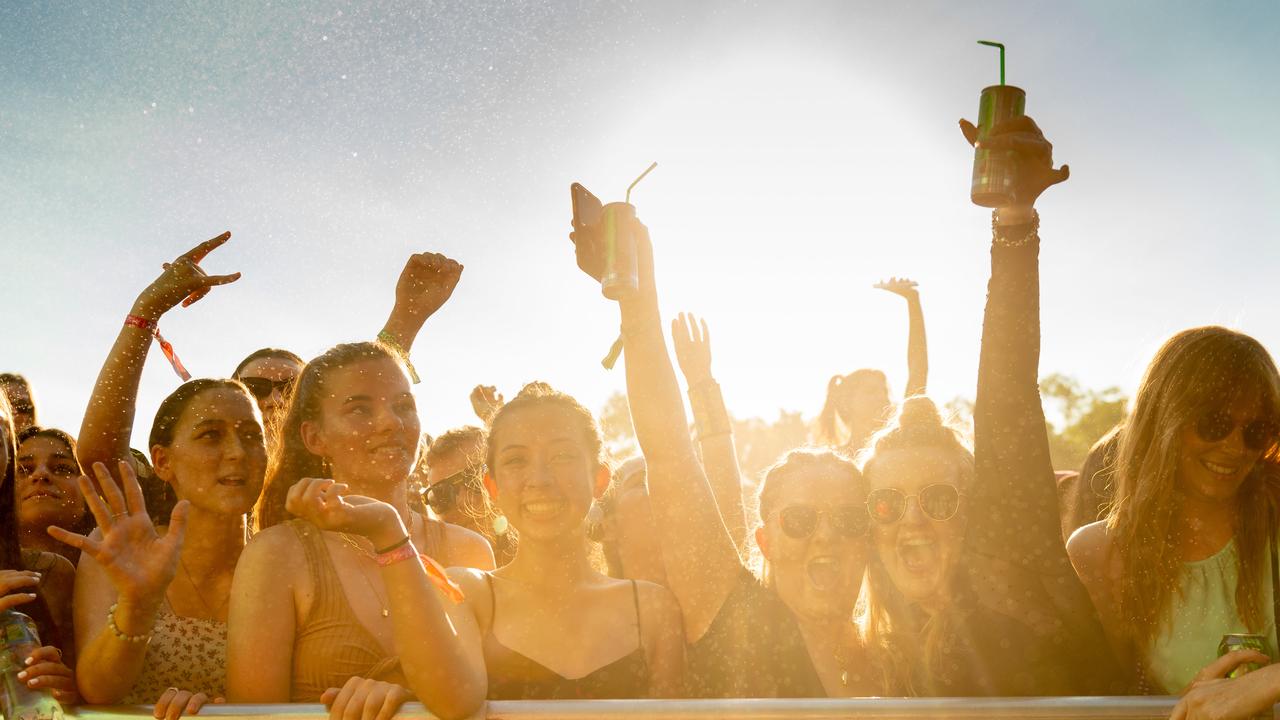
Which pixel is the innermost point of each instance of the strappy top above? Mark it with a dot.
(187, 653)
(331, 645)
(514, 676)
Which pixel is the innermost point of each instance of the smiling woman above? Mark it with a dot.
(1188, 550)
(46, 492)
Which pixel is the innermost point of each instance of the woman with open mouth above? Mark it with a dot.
(1187, 553)
(789, 633)
(970, 591)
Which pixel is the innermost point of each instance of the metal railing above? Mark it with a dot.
(1058, 708)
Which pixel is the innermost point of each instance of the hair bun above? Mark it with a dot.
(919, 413)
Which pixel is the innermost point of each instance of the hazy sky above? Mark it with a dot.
(805, 150)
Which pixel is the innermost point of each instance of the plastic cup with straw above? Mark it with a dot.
(995, 171)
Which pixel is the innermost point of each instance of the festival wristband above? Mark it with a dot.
(435, 573)
(152, 327)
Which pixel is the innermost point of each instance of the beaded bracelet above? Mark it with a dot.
(390, 341)
(115, 629)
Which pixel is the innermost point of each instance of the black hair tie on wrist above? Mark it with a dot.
(396, 546)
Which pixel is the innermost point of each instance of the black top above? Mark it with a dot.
(1027, 625)
(515, 676)
(753, 649)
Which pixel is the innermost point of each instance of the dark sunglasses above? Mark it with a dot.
(1217, 425)
(262, 387)
(443, 496)
(940, 501)
(801, 521)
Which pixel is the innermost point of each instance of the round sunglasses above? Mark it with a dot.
(940, 501)
(801, 521)
(1217, 425)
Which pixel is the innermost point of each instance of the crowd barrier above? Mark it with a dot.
(1058, 708)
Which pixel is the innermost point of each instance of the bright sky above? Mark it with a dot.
(805, 150)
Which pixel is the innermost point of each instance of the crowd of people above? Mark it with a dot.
(290, 534)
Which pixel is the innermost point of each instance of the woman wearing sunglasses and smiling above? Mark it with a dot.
(790, 633)
(1188, 550)
(970, 589)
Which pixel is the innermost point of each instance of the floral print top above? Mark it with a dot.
(186, 653)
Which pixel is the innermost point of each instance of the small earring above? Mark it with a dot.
(501, 525)
(326, 470)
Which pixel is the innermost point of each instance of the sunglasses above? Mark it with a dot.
(1217, 425)
(801, 521)
(443, 496)
(262, 387)
(940, 501)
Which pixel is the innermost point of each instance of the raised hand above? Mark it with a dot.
(183, 281)
(425, 284)
(485, 401)
(46, 671)
(692, 341)
(174, 703)
(140, 563)
(17, 587)
(365, 699)
(325, 504)
(1035, 155)
(899, 286)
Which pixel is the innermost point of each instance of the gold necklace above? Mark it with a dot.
(213, 612)
(356, 546)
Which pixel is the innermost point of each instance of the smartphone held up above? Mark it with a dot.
(605, 237)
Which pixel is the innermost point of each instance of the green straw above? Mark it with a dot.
(637, 182)
(996, 45)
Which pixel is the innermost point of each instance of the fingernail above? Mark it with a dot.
(29, 661)
(23, 675)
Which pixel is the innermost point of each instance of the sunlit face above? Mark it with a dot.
(636, 537)
(917, 551)
(6, 426)
(45, 490)
(544, 470)
(819, 575)
(368, 428)
(1213, 470)
(217, 459)
(24, 409)
(461, 468)
(274, 370)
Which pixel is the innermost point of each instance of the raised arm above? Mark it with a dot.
(426, 283)
(108, 421)
(1014, 508)
(701, 559)
(711, 421)
(917, 347)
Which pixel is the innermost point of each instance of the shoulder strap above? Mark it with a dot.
(635, 597)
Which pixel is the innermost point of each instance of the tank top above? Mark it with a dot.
(1204, 609)
(514, 676)
(331, 645)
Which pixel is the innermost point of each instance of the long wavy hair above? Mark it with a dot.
(1196, 371)
(910, 643)
(290, 459)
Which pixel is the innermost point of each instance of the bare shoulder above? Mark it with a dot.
(468, 548)
(475, 588)
(277, 549)
(658, 604)
(1089, 548)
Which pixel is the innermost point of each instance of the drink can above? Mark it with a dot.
(17, 700)
(994, 171)
(621, 276)
(1241, 641)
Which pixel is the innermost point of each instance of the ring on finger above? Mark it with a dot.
(117, 516)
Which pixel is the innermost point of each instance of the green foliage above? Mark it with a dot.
(1085, 416)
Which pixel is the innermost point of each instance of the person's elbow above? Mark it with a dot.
(463, 700)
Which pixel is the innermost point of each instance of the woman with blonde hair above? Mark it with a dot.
(1187, 552)
(970, 591)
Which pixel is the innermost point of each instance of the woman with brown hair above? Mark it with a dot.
(1187, 552)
